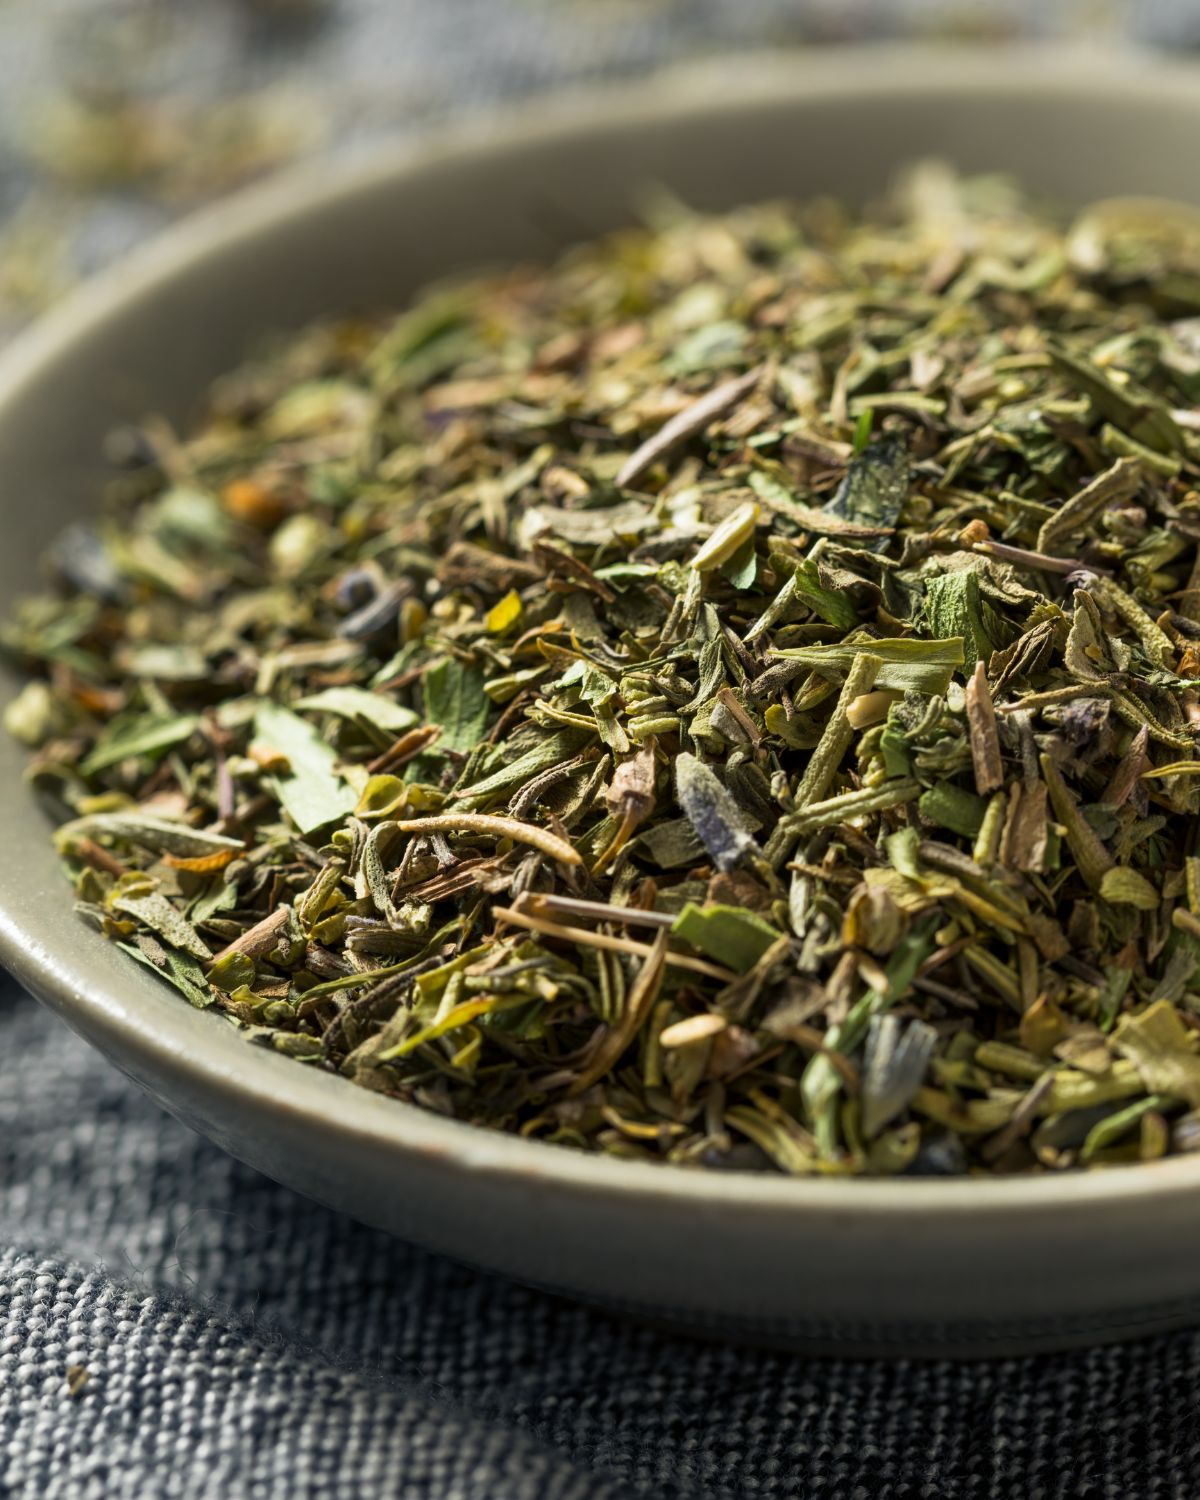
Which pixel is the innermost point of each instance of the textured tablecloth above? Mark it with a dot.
(239, 1341)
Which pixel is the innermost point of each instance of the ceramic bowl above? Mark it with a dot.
(909, 1266)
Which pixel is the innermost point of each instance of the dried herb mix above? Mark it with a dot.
(730, 698)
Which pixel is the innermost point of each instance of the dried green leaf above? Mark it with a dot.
(135, 896)
(730, 934)
(923, 666)
(311, 791)
(138, 734)
(875, 487)
(455, 701)
(179, 969)
(954, 609)
(358, 704)
(1160, 1047)
(1123, 886)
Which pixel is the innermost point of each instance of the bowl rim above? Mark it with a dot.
(227, 1066)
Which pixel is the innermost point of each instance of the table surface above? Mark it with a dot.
(232, 1338)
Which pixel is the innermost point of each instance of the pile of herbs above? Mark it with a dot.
(730, 698)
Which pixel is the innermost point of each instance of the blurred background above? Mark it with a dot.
(117, 115)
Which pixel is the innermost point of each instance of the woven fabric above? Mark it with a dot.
(228, 1338)
(243, 1342)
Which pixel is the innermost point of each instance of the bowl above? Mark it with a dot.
(903, 1267)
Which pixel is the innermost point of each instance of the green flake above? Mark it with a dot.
(312, 791)
(731, 935)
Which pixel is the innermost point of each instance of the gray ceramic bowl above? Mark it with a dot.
(908, 1266)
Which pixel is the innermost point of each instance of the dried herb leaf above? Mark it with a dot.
(730, 934)
(455, 701)
(143, 734)
(875, 486)
(311, 790)
(921, 666)
(1159, 1046)
(714, 815)
(355, 703)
